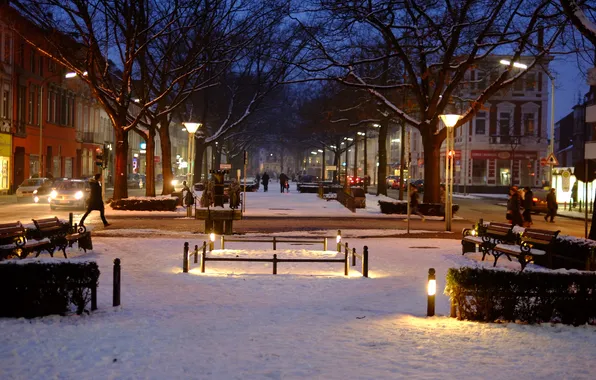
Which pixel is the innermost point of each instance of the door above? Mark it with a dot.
(19, 167)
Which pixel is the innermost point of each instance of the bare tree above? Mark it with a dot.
(437, 44)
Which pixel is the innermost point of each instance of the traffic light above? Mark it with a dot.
(99, 157)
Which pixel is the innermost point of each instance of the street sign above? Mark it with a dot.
(552, 160)
(225, 166)
(543, 161)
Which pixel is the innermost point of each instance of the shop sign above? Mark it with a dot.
(566, 180)
(502, 155)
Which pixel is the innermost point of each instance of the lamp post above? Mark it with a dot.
(551, 148)
(449, 120)
(365, 156)
(191, 128)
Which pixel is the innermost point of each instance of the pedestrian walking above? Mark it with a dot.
(528, 203)
(95, 201)
(265, 181)
(573, 204)
(551, 205)
(414, 202)
(514, 207)
(283, 182)
(187, 196)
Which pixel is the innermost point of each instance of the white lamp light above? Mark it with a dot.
(192, 127)
(450, 119)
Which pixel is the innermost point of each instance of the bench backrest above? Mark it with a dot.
(10, 231)
(541, 238)
(44, 224)
(499, 229)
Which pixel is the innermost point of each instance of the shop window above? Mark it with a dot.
(529, 124)
(479, 172)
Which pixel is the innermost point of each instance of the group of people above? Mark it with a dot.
(284, 182)
(524, 199)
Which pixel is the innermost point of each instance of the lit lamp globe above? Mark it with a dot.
(450, 119)
(192, 127)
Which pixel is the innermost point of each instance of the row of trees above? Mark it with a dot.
(218, 61)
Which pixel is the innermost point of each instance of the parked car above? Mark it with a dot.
(539, 201)
(136, 181)
(395, 184)
(70, 193)
(29, 189)
(356, 181)
(390, 179)
(251, 184)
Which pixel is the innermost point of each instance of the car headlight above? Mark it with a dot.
(35, 191)
(79, 195)
(53, 194)
(36, 199)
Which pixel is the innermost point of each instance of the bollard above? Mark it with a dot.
(431, 290)
(346, 262)
(203, 255)
(70, 220)
(353, 256)
(338, 240)
(188, 211)
(580, 206)
(275, 263)
(274, 244)
(453, 309)
(196, 253)
(325, 244)
(94, 297)
(365, 261)
(211, 241)
(565, 206)
(223, 241)
(116, 293)
(185, 258)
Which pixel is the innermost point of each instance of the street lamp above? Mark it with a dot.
(449, 120)
(191, 128)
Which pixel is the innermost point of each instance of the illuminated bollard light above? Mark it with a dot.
(431, 291)
(338, 240)
(211, 241)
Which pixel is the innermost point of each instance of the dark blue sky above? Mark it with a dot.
(569, 82)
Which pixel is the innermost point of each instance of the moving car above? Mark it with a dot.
(395, 184)
(29, 189)
(390, 179)
(43, 193)
(70, 193)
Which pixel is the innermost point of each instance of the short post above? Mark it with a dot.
(185, 258)
(211, 241)
(275, 263)
(346, 262)
(353, 256)
(432, 291)
(94, 297)
(203, 255)
(338, 240)
(325, 244)
(188, 211)
(346, 248)
(365, 261)
(70, 220)
(196, 253)
(274, 244)
(116, 293)
(223, 241)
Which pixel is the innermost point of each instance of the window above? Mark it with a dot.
(480, 123)
(32, 61)
(7, 48)
(22, 103)
(529, 124)
(51, 66)
(531, 82)
(40, 65)
(5, 102)
(31, 105)
(504, 123)
(518, 85)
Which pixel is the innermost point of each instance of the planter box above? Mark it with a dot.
(401, 207)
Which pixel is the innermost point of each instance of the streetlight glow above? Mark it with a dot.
(192, 127)
(450, 119)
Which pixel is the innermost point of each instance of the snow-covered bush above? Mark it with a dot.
(163, 203)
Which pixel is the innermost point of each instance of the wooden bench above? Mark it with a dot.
(533, 242)
(486, 237)
(13, 241)
(61, 234)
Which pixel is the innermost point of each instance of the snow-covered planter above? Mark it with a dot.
(574, 253)
(163, 203)
(38, 288)
(496, 295)
(401, 207)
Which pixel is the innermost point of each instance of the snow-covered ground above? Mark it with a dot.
(238, 321)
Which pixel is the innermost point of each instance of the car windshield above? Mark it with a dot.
(32, 182)
(70, 185)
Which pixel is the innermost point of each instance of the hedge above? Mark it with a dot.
(430, 209)
(145, 204)
(39, 288)
(493, 295)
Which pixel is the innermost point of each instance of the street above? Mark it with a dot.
(470, 211)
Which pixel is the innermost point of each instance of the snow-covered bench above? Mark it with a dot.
(13, 241)
(533, 242)
(486, 237)
(62, 235)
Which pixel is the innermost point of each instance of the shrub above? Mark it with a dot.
(401, 207)
(146, 204)
(36, 288)
(493, 295)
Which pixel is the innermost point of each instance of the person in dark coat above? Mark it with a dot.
(265, 181)
(551, 205)
(189, 199)
(95, 201)
(283, 182)
(528, 203)
(414, 202)
(514, 207)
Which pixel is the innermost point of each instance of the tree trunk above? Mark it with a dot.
(200, 147)
(166, 157)
(281, 157)
(216, 157)
(432, 166)
(382, 168)
(150, 169)
(121, 169)
(592, 234)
